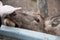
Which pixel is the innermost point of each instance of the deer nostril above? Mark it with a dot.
(13, 14)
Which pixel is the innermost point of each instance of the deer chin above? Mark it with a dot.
(8, 22)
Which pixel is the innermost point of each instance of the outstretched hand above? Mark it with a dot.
(7, 9)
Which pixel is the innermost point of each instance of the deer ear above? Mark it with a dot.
(1, 4)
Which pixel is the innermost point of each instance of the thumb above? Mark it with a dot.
(18, 8)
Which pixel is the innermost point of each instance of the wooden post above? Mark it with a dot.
(42, 6)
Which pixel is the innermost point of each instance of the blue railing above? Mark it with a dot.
(26, 34)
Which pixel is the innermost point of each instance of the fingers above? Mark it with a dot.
(1, 4)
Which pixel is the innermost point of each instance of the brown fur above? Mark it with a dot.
(25, 21)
